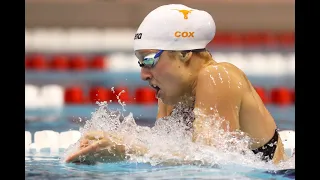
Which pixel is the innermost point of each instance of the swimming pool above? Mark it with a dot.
(46, 165)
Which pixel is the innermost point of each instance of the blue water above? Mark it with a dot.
(50, 167)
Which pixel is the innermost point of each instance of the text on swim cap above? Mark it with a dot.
(184, 34)
(138, 36)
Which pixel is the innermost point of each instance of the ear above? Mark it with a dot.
(185, 56)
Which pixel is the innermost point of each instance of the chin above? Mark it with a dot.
(168, 100)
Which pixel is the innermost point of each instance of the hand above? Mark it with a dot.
(98, 146)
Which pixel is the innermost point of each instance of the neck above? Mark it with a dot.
(187, 100)
(195, 65)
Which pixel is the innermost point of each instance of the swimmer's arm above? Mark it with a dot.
(217, 93)
(163, 109)
(109, 147)
(104, 147)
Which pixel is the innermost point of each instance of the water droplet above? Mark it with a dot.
(214, 82)
(220, 77)
(229, 79)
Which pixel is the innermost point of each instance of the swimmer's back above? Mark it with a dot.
(254, 117)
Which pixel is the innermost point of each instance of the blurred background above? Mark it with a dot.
(81, 51)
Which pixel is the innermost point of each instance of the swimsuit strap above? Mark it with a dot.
(269, 148)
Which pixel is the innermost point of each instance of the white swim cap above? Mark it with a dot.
(175, 27)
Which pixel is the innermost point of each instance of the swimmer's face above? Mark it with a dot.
(165, 73)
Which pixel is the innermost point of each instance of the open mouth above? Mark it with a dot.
(155, 87)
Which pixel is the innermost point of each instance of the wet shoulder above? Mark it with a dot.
(223, 74)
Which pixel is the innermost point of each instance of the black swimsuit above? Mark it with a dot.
(269, 148)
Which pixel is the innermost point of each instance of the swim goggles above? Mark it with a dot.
(150, 60)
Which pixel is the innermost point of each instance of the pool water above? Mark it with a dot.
(46, 166)
(50, 166)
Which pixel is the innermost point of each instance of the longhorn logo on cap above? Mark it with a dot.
(184, 12)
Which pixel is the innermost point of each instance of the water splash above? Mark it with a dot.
(168, 142)
(123, 104)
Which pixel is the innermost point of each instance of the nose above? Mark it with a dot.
(145, 74)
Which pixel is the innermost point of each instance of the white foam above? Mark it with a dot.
(48, 139)
(168, 142)
(164, 140)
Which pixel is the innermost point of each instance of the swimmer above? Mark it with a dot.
(170, 45)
